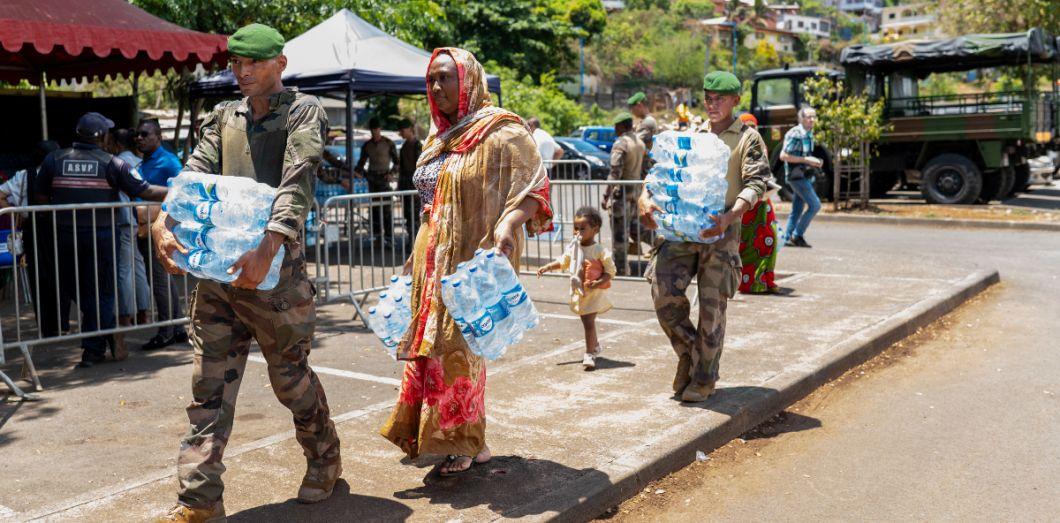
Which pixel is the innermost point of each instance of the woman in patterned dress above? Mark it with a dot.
(481, 179)
(758, 241)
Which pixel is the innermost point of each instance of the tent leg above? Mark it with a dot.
(349, 131)
(43, 108)
(136, 99)
(180, 120)
(193, 118)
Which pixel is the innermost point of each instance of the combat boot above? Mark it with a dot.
(683, 376)
(319, 482)
(183, 514)
(695, 392)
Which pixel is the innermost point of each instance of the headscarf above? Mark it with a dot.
(475, 115)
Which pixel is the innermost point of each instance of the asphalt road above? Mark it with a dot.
(963, 423)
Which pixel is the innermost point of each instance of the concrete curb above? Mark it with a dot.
(583, 499)
(933, 222)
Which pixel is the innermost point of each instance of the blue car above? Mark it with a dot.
(602, 137)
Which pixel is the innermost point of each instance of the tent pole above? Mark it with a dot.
(349, 131)
(43, 109)
(136, 98)
(192, 119)
(180, 119)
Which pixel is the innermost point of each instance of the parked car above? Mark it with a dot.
(578, 149)
(601, 137)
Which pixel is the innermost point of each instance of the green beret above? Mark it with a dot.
(636, 98)
(621, 117)
(256, 41)
(722, 82)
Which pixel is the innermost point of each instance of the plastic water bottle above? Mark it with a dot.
(449, 286)
(232, 214)
(211, 265)
(524, 314)
(671, 205)
(379, 327)
(228, 241)
(489, 293)
(686, 191)
(202, 186)
(489, 343)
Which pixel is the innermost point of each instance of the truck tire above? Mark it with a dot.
(997, 184)
(1022, 174)
(951, 178)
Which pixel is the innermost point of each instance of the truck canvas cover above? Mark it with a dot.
(922, 57)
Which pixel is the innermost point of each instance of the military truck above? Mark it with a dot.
(963, 148)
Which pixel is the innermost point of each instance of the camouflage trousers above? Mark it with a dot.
(716, 268)
(623, 213)
(225, 320)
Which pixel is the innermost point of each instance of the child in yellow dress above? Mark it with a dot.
(591, 269)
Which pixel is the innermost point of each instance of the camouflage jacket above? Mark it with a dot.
(282, 149)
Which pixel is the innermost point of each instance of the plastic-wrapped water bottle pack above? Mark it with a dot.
(220, 218)
(688, 183)
(391, 316)
(489, 305)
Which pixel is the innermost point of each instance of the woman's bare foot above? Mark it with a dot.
(457, 464)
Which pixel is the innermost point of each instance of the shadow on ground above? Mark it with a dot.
(343, 505)
(503, 485)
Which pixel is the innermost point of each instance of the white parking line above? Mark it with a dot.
(598, 320)
(71, 508)
(339, 372)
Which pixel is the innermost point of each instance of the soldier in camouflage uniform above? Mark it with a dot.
(620, 200)
(274, 135)
(717, 265)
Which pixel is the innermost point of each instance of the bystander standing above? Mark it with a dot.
(83, 174)
(380, 156)
(409, 155)
(157, 167)
(801, 169)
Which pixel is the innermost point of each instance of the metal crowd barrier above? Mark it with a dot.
(65, 259)
(567, 198)
(363, 240)
(574, 170)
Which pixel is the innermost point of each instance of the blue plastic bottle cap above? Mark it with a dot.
(456, 283)
(490, 255)
(445, 279)
(371, 311)
(394, 278)
(382, 295)
(472, 269)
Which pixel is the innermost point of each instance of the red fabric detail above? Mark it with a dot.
(74, 39)
(428, 287)
(543, 195)
(764, 242)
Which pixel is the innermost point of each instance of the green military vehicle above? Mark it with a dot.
(964, 148)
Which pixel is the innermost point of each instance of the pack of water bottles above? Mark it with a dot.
(688, 183)
(220, 218)
(488, 303)
(391, 316)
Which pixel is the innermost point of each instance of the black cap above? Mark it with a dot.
(404, 123)
(93, 125)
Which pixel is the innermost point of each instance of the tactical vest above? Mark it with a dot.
(250, 149)
(81, 177)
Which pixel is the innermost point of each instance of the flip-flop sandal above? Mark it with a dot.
(451, 459)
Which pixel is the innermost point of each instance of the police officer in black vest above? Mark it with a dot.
(87, 239)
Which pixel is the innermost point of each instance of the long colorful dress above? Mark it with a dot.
(471, 174)
(758, 248)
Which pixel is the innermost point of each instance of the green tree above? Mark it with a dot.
(634, 5)
(587, 15)
(693, 8)
(528, 36)
(844, 121)
(998, 16)
(542, 98)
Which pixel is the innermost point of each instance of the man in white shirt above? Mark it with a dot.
(546, 146)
